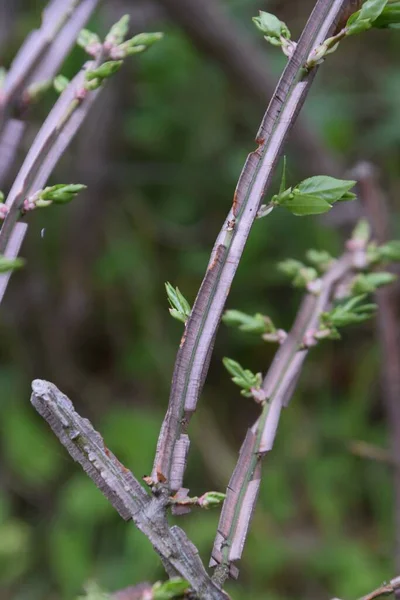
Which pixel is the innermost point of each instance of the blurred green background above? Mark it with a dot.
(161, 155)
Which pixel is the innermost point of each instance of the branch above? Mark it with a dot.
(51, 50)
(122, 489)
(55, 135)
(41, 45)
(279, 385)
(197, 342)
(388, 325)
(12, 250)
(385, 590)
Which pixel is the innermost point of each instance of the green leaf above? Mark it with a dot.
(94, 592)
(370, 282)
(257, 323)
(10, 264)
(321, 259)
(173, 588)
(87, 38)
(180, 307)
(389, 252)
(60, 83)
(273, 28)
(325, 187)
(364, 19)
(244, 378)
(3, 75)
(61, 193)
(362, 231)
(211, 499)
(390, 16)
(348, 313)
(118, 31)
(104, 71)
(302, 205)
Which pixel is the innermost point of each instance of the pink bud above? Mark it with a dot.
(3, 211)
(309, 338)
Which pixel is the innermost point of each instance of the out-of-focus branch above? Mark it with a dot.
(39, 46)
(279, 386)
(245, 63)
(51, 48)
(377, 209)
(122, 489)
(197, 343)
(54, 136)
(387, 589)
(12, 250)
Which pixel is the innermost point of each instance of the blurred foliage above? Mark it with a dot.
(90, 314)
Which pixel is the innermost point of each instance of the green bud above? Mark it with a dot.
(180, 307)
(173, 588)
(60, 83)
(3, 75)
(370, 282)
(211, 500)
(105, 70)
(362, 231)
(244, 378)
(87, 39)
(61, 193)
(10, 264)
(321, 259)
(1, 197)
(272, 27)
(118, 31)
(257, 323)
(37, 90)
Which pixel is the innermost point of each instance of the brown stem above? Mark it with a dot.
(122, 489)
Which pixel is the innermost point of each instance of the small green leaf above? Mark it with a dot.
(389, 252)
(60, 83)
(37, 90)
(364, 19)
(173, 588)
(10, 264)
(321, 259)
(105, 70)
(390, 16)
(61, 193)
(325, 187)
(244, 378)
(257, 323)
(348, 313)
(362, 231)
(180, 307)
(118, 31)
(302, 205)
(271, 26)
(3, 75)
(94, 592)
(370, 282)
(211, 500)
(87, 38)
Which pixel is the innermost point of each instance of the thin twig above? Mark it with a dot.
(51, 48)
(36, 48)
(12, 250)
(377, 209)
(122, 489)
(278, 385)
(387, 589)
(198, 339)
